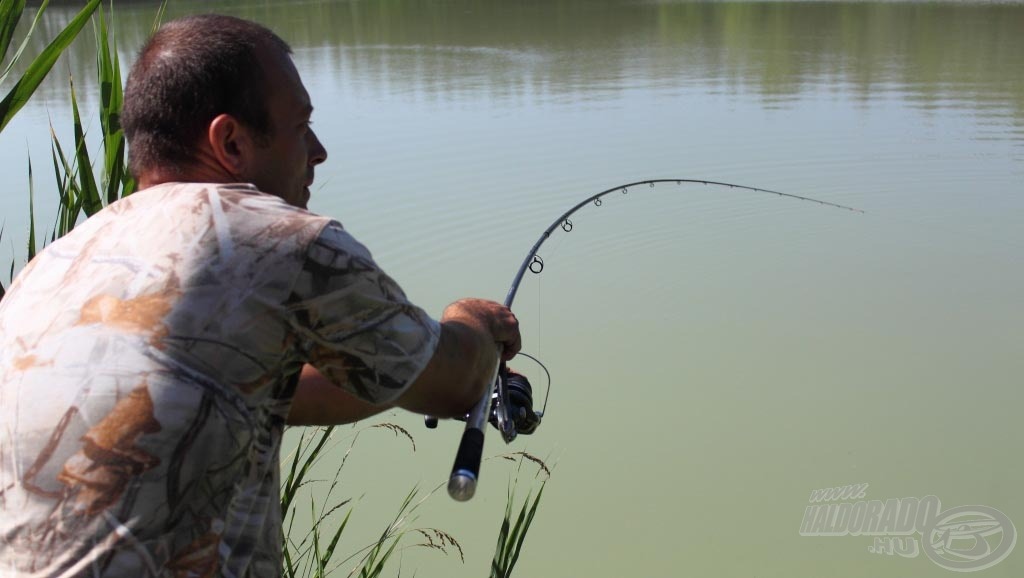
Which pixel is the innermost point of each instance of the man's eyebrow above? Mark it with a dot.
(307, 110)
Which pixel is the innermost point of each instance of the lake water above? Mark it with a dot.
(717, 354)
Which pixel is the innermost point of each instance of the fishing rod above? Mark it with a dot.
(509, 405)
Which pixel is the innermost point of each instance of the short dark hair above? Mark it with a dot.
(192, 70)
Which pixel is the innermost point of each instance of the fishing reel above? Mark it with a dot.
(512, 410)
(509, 408)
(520, 405)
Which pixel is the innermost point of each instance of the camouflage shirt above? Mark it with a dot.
(147, 364)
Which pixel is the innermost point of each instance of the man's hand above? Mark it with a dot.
(491, 317)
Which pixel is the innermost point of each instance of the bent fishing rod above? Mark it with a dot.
(508, 405)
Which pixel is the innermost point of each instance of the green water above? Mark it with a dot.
(717, 355)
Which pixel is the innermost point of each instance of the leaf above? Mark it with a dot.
(510, 542)
(297, 473)
(91, 201)
(334, 540)
(10, 275)
(526, 527)
(499, 550)
(31, 214)
(70, 204)
(2, 290)
(40, 67)
(289, 566)
(108, 69)
(25, 41)
(316, 538)
(10, 14)
(159, 18)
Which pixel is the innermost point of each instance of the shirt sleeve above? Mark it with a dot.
(354, 323)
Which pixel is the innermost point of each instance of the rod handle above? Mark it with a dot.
(466, 471)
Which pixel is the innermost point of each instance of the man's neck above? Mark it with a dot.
(196, 172)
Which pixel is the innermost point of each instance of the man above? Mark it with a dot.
(150, 359)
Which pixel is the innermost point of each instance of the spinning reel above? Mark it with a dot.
(512, 410)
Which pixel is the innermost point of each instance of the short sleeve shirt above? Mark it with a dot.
(147, 365)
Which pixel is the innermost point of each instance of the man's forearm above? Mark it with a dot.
(456, 376)
(318, 401)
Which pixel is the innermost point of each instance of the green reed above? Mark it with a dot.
(25, 86)
(312, 554)
(315, 553)
(81, 189)
(512, 536)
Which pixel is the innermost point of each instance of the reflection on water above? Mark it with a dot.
(936, 53)
(717, 355)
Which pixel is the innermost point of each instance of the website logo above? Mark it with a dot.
(960, 539)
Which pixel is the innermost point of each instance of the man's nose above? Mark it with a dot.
(317, 152)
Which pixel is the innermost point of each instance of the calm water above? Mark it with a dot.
(717, 355)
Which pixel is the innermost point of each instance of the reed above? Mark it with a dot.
(17, 96)
(512, 536)
(314, 553)
(81, 187)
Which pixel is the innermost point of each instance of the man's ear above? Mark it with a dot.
(232, 144)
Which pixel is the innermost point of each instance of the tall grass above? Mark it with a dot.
(512, 536)
(85, 184)
(76, 180)
(25, 86)
(315, 553)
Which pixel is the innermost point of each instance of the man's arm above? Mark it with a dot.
(318, 401)
(454, 379)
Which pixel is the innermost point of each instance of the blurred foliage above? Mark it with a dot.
(44, 58)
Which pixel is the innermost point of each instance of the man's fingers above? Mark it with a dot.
(510, 352)
(497, 319)
(506, 332)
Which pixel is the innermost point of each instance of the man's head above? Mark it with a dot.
(216, 98)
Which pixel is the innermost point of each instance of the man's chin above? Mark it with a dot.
(299, 199)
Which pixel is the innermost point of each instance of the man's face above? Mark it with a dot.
(283, 165)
